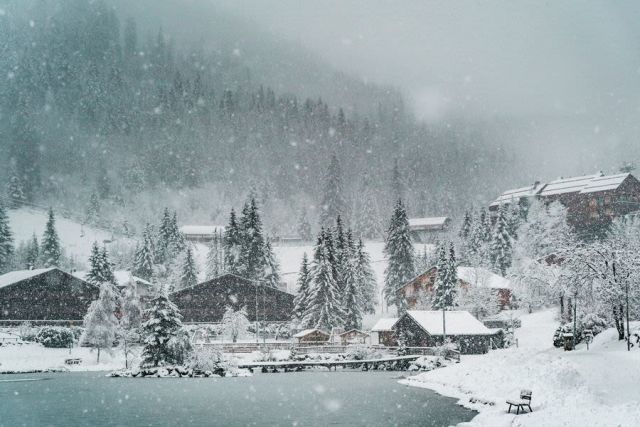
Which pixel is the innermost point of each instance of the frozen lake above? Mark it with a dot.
(301, 398)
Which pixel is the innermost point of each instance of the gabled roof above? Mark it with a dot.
(428, 222)
(358, 331)
(517, 194)
(19, 275)
(604, 183)
(457, 322)
(384, 325)
(568, 185)
(309, 331)
(483, 278)
(241, 279)
(208, 230)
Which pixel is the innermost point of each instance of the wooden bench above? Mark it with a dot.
(76, 361)
(524, 401)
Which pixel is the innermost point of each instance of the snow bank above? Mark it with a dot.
(598, 387)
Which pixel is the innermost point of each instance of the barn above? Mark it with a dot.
(423, 328)
(47, 294)
(312, 336)
(206, 302)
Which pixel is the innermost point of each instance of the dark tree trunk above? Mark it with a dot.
(562, 307)
(618, 318)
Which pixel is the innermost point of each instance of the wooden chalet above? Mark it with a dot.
(424, 328)
(592, 201)
(206, 302)
(428, 230)
(382, 332)
(418, 292)
(312, 336)
(47, 294)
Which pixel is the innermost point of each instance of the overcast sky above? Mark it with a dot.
(495, 57)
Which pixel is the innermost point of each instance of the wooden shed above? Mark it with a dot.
(312, 336)
(382, 332)
(354, 336)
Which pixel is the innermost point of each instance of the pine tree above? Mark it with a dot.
(500, 249)
(15, 192)
(367, 214)
(93, 209)
(100, 322)
(333, 203)
(165, 234)
(479, 238)
(215, 257)
(33, 253)
(340, 255)
(352, 298)
(161, 329)
(252, 252)
(400, 254)
(301, 300)
(323, 309)
(143, 262)
(189, 275)
(446, 282)
(51, 251)
(6, 242)
(177, 241)
(465, 228)
(366, 279)
(272, 268)
(232, 245)
(304, 228)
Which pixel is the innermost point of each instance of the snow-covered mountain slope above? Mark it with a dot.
(76, 239)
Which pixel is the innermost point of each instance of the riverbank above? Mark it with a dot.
(595, 387)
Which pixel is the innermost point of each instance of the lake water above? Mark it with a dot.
(315, 398)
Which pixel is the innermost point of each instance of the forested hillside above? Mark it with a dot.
(111, 121)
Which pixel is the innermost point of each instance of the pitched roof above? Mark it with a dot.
(358, 331)
(457, 322)
(604, 183)
(483, 278)
(568, 185)
(244, 280)
(428, 222)
(309, 331)
(201, 229)
(385, 324)
(517, 194)
(20, 275)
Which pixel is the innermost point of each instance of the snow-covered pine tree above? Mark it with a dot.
(6, 242)
(352, 298)
(15, 192)
(272, 267)
(163, 240)
(366, 279)
(100, 322)
(444, 287)
(304, 227)
(163, 325)
(33, 253)
(95, 265)
(189, 276)
(476, 252)
(215, 257)
(51, 251)
(300, 302)
(333, 203)
(500, 250)
(143, 262)
(366, 213)
(514, 218)
(341, 254)
(324, 310)
(466, 227)
(93, 209)
(232, 245)
(252, 252)
(400, 254)
(177, 241)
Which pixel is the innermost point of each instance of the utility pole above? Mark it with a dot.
(627, 314)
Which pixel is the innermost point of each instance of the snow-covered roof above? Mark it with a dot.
(121, 276)
(20, 275)
(428, 222)
(483, 278)
(309, 331)
(385, 324)
(517, 193)
(204, 230)
(457, 322)
(604, 183)
(358, 331)
(568, 185)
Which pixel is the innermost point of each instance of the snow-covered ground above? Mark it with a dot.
(32, 356)
(76, 238)
(595, 387)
